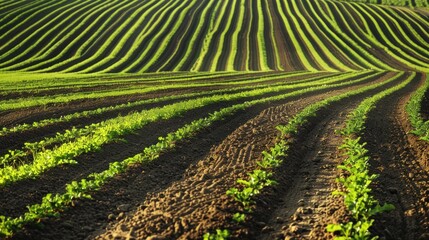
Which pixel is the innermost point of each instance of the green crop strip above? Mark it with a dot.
(125, 26)
(151, 10)
(414, 107)
(54, 34)
(403, 57)
(317, 57)
(262, 52)
(234, 78)
(272, 30)
(415, 3)
(196, 34)
(28, 14)
(53, 63)
(335, 37)
(147, 30)
(221, 41)
(409, 44)
(394, 15)
(181, 40)
(422, 66)
(326, 51)
(370, 62)
(418, 17)
(52, 204)
(167, 38)
(16, 46)
(95, 36)
(234, 45)
(357, 41)
(76, 25)
(112, 129)
(318, 41)
(357, 198)
(17, 157)
(295, 42)
(215, 21)
(46, 52)
(10, 4)
(28, 11)
(249, 28)
(15, 82)
(411, 17)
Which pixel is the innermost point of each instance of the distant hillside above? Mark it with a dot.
(207, 35)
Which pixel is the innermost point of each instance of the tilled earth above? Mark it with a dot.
(181, 195)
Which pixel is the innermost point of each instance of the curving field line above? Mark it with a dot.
(150, 36)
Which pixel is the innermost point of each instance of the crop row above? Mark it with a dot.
(414, 109)
(132, 36)
(14, 157)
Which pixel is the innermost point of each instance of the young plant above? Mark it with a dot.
(219, 235)
(239, 217)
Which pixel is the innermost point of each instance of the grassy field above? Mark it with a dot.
(262, 119)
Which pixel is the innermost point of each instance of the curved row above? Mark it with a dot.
(134, 36)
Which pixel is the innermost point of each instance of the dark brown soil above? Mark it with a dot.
(181, 195)
(167, 169)
(17, 140)
(53, 180)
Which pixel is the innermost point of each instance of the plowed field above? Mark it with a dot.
(189, 119)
